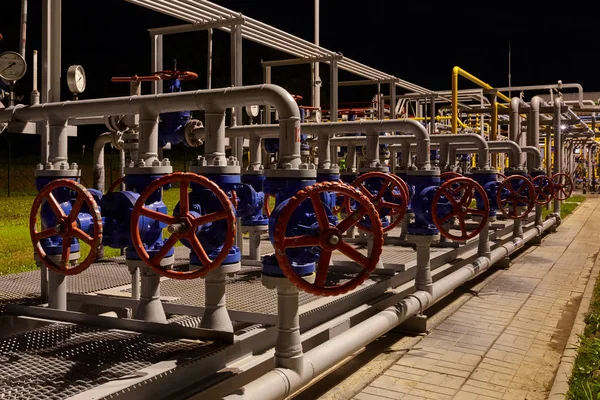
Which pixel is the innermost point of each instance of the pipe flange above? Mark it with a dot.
(306, 171)
(117, 140)
(133, 264)
(333, 169)
(60, 170)
(190, 128)
(149, 170)
(381, 168)
(216, 169)
(421, 172)
(272, 282)
(254, 170)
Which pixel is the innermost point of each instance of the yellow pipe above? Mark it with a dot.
(456, 71)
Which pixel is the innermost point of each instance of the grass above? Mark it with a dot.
(585, 378)
(16, 248)
(566, 207)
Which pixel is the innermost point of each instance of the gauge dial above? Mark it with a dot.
(76, 79)
(252, 111)
(12, 66)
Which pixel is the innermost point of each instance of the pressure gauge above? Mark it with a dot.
(252, 111)
(76, 79)
(12, 66)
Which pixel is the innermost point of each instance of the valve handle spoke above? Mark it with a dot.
(322, 268)
(76, 208)
(168, 245)
(58, 211)
(81, 235)
(365, 191)
(301, 241)
(157, 216)
(353, 254)
(208, 218)
(319, 212)
(66, 252)
(46, 233)
(199, 250)
(184, 200)
(351, 219)
(447, 218)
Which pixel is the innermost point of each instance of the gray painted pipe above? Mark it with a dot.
(467, 138)
(407, 126)
(501, 146)
(533, 129)
(558, 144)
(280, 383)
(150, 106)
(98, 174)
(514, 122)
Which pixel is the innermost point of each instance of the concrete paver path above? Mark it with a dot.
(508, 341)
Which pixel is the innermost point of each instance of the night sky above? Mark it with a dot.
(411, 40)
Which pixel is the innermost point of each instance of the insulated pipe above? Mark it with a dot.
(533, 128)
(98, 174)
(407, 126)
(280, 383)
(497, 146)
(23, 38)
(467, 138)
(150, 106)
(515, 122)
(558, 144)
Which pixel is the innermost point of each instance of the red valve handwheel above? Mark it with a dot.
(181, 75)
(184, 224)
(500, 176)
(445, 176)
(115, 184)
(563, 186)
(460, 192)
(66, 226)
(329, 239)
(544, 189)
(392, 184)
(135, 78)
(523, 194)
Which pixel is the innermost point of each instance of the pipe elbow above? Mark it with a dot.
(280, 99)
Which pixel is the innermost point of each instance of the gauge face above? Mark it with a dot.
(12, 66)
(252, 111)
(76, 79)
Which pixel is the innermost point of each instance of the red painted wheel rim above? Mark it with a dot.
(563, 186)
(67, 225)
(188, 220)
(544, 189)
(390, 183)
(460, 192)
(445, 176)
(525, 194)
(115, 184)
(323, 239)
(181, 75)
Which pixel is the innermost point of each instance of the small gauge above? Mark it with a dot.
(76, 79)
(12, 66)
(252, 111)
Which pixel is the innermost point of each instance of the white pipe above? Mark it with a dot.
(23, 40)
(407, 126)
(280, 383)
(558, 144)
(533, 128)
(150, 106)
(98, 174)
(497, 146)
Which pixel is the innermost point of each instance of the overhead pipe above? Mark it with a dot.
(280, 383)
(150, 106)
(406, 126)
(558, 144)
(23, 38)
(456, 71)
(98, 174)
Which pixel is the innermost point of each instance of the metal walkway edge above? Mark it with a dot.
(504, 340)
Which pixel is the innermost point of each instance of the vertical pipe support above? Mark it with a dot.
(333, 112)
(156, 55)
(558, 144)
